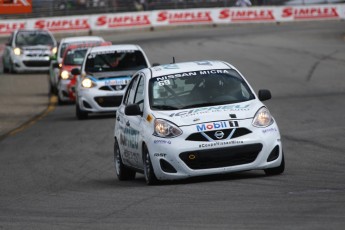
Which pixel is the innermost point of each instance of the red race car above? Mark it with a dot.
(73, 57)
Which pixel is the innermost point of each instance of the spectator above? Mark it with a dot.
(243, 3)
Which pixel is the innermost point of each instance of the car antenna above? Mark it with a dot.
(173, 60)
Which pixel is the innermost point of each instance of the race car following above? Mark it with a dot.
(73, 57)
(54, 71)
(193, 119)
(29, 50)
(105, 73)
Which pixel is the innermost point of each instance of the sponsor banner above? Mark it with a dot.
(121, 21)
(8, 26)
(246, 14)
(15, 6)
(312, 12)
(182, 17)
(61, 24)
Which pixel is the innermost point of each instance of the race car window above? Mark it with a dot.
(130, 93)
(115, 60)
(198, 89)
(66, 44)
(74, 57)
(139, 94)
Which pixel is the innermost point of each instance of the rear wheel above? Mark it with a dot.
(81, 115)
(122, 172)
(150, 176)
(277, 170)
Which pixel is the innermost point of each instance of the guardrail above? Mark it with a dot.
(178, 17)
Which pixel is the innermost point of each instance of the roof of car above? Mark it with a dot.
(115, 47)
(167, 69)
(82, 39)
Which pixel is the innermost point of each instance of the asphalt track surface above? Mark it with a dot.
(58, 173)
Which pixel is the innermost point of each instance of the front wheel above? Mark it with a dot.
(277, 170)
(122, 172)
(81, 115)
(150, 176)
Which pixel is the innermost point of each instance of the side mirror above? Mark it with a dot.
(75, 71)
(133, 110)
(155, 64)
(264, 95)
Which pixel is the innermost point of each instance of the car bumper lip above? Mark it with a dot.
(172, 154)
(91, 95)
(22, 64)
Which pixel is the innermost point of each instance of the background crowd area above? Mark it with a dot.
(50, 8)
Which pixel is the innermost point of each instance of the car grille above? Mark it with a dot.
(112, 87)
(36, 63)
(112, 101)
(202, 136)
(221, 157)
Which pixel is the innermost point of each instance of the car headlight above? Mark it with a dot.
(262, 118)
(54, 50)
(87, 83)
(64, 75)
(17, 51)
(164, 128)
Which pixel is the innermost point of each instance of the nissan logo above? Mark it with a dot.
(219, 134)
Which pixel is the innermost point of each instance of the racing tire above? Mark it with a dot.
(149, 174)
(81, 115)
(122, 171)
(5, 69)
(277, 170)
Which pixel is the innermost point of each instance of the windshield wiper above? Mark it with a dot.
(165, 107)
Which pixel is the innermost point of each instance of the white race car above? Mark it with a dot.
(29, 50)
(54, 71)
(193, 119)
(105, 73)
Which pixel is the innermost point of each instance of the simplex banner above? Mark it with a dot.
(159, 18)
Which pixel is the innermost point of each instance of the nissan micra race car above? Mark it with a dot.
(193, 119)
(105, 73)
(29, 50)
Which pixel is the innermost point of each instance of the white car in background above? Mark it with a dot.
(193, 119)
(29, 50)
(105, 73)
(54, 70)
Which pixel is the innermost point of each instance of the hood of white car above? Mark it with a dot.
(244, 110)
(112, 74)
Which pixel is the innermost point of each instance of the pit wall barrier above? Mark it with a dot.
(166, 18)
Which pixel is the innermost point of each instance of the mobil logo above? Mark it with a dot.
(212, 126)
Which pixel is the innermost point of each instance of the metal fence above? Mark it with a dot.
(50, 8)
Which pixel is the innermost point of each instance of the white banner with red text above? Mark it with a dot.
(159, 18)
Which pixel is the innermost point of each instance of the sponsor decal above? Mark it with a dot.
(176, 17)
(62, 24)
(212, 126)
(8, 27)
(310, 12)
(238, 15)
(131, 157)
(159, 155)
(219, 143)
(162, 142)
(126, 20)
(270, 130)
(129, 137)
(204, 110)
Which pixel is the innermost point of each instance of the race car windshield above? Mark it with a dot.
(110, 61)
(198, 89)
(74, 57)
(65, 45)
(33, 38)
